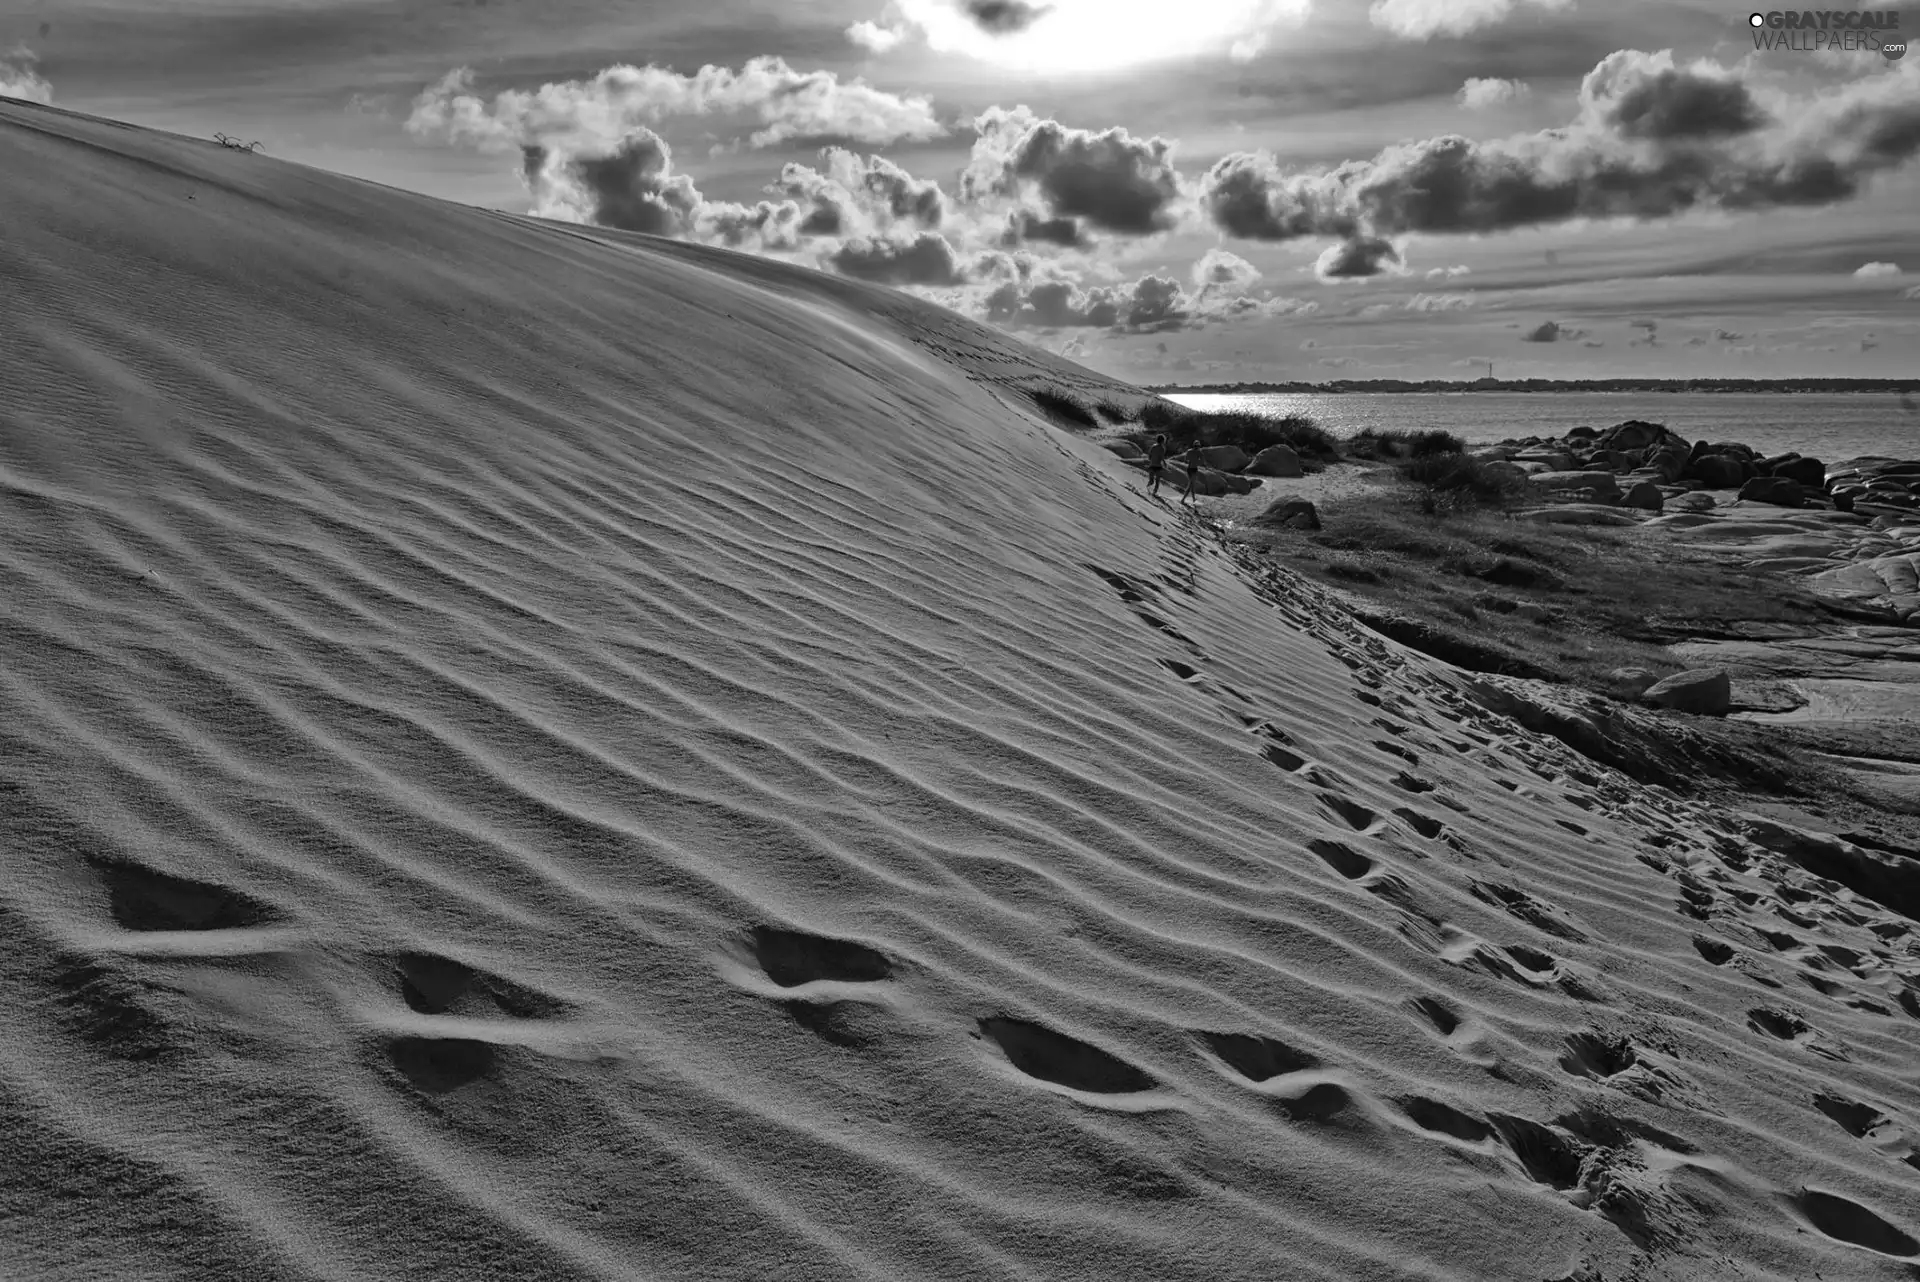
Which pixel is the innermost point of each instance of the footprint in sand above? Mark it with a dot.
(1427, 827)
(1352, 813)
(146, 899)
(1291, 762)
(1594, 1054)
(1444, 1119)
(437, 1065)
(434, 985)
(1435, 1013)
(1255, 1057)
(791, 958)
(1343, 859)
(1846, 1220)
(1716, 952)
(1040, 1052)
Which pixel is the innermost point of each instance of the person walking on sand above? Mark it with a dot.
(1192, 459)
(1156, 460)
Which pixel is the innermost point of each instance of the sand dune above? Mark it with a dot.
(530, 752)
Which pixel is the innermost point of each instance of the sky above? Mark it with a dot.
(1190, 191)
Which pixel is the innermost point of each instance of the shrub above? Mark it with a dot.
(1250, 430)
(1453, 481)
(1058, 404)
(1395, 443)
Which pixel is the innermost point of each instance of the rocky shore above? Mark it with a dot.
(1848, 532)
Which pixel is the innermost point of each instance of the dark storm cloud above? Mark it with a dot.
(1552, 332)
(927, 259)
(631, 186)
(1651, 140)
(1356, 258)
(1003, 17)
(1113, 180)
(1670, 103)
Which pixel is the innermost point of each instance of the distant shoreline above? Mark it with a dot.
(1712, 386)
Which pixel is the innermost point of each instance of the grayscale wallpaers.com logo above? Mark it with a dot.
(1808, 30)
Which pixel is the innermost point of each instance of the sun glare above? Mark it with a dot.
(1100, 35)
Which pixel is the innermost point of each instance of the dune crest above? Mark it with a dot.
(527, 751)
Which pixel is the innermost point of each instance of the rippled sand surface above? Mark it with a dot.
(532, 753)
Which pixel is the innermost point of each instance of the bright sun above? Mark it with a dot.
(1099, 35)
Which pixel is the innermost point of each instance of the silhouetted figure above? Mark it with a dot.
(1192, 460)
(1156, 463)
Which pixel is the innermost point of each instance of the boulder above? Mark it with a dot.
(1634, 434)
(1552, 460)
(1224, 458)
(1693, 503)
(1276, 460)
(1602, 485)
(1667, 461)
(1125, 449)
(1630, 682)
(1237, 484)
(1645, 495)
(1703, 691)
(1581, 433)
(1289, 514)
(1777, 490)
(1504, 473)
(1717, 471)
(1810, 472)
(1767, 465)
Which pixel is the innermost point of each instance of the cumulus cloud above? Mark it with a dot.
(1356, 258)
(1113, 180)
(1727, 336)
(1447, 273)
(1439, 302)
(1481, 93)
(925, 259)
(19, 79)
(1151, 304)
(631, 186)
(789, 105)
(1551, 332)
(874, 37)
(1221, 270)
(1911, 293)
(1650, 140)
(1877, 269)
(1423, 19)
(852, 194)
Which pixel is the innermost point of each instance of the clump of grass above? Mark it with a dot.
(1455, 482)
(1394, 443)
(1248, 430)
(1058, 404)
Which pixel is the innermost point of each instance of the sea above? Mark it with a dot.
(1830, 427)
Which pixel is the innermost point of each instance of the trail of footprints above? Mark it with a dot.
(1595, 1156)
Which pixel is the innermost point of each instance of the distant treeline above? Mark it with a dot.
(1787, 385)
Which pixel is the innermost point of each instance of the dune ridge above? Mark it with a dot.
(527, 751)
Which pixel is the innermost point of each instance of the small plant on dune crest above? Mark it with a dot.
(235, 144)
